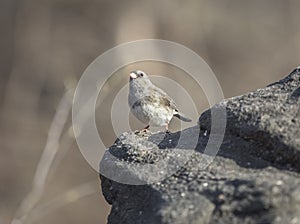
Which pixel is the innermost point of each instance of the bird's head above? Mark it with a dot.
(138, 74)
(139, 80)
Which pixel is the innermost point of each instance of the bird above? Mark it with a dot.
(150, 104)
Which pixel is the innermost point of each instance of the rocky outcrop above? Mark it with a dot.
(254, 178)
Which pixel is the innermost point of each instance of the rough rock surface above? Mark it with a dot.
(152, 178)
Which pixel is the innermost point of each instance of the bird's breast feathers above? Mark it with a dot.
(151, 111)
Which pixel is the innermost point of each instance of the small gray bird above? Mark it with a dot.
(150, 104)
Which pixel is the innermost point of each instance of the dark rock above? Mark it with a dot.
(254, 178)
(270, 117)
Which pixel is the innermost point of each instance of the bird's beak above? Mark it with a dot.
(133, 75)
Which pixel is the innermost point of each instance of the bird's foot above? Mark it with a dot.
(143, 131)
(167, 129)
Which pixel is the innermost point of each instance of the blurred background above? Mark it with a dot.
(47, 44)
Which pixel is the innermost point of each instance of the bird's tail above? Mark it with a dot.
(182, 117)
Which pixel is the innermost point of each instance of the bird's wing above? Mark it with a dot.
(164, 98)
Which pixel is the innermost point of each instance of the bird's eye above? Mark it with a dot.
(142, 74)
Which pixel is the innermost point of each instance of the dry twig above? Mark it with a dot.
(46, 160)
